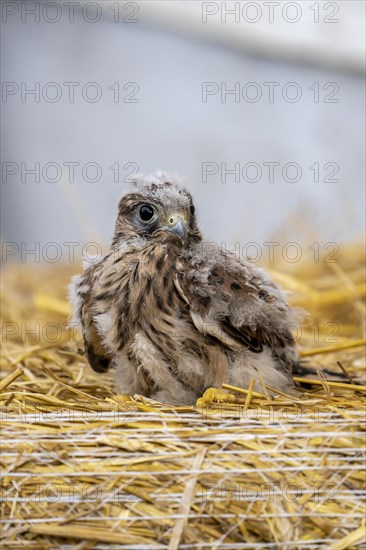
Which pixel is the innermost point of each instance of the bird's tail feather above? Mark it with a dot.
(302, 369)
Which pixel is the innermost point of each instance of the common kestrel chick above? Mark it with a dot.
(171, 316)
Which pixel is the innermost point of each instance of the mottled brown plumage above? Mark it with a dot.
(171, 316)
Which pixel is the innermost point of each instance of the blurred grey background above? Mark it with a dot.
(158, 57)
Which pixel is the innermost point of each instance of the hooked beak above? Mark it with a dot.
(177, 226)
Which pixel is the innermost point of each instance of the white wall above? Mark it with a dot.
(171, 127)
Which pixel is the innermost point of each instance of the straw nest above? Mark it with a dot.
(86, 468)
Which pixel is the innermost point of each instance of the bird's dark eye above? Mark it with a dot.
(147, 213)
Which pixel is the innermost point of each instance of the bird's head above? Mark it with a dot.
(157, 208)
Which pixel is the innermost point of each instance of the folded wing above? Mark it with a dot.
(237, 304)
